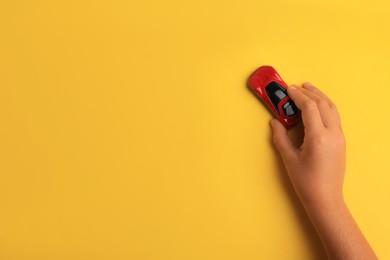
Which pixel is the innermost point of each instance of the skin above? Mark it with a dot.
(316, 170)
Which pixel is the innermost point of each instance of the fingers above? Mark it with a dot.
(332, 107)
(311, 116)
(323, 106)
(282, 142)
(313, 89)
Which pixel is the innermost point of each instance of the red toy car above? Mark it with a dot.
(272, 90)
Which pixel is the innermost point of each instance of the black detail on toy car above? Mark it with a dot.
(276, 93)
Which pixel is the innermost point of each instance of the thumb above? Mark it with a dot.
(282, 141)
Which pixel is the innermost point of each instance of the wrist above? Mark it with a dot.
(320, 202)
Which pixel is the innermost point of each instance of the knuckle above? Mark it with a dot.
(277, 140)
(321, 140)
(333, 106)
(322, 103)
(310, 105)
(339, 139)
(329, 139)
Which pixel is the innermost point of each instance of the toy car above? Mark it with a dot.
(266, 83)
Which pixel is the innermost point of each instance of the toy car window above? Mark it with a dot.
(280, 94)
(276, 93)
(289, 109)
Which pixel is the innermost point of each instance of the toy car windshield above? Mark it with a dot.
(276, 94)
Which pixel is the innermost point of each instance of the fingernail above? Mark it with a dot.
(293, 87)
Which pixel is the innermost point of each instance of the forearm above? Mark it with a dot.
(338, 230)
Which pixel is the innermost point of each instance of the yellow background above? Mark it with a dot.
(127, 131)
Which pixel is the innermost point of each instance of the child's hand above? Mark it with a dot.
(316, 169)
